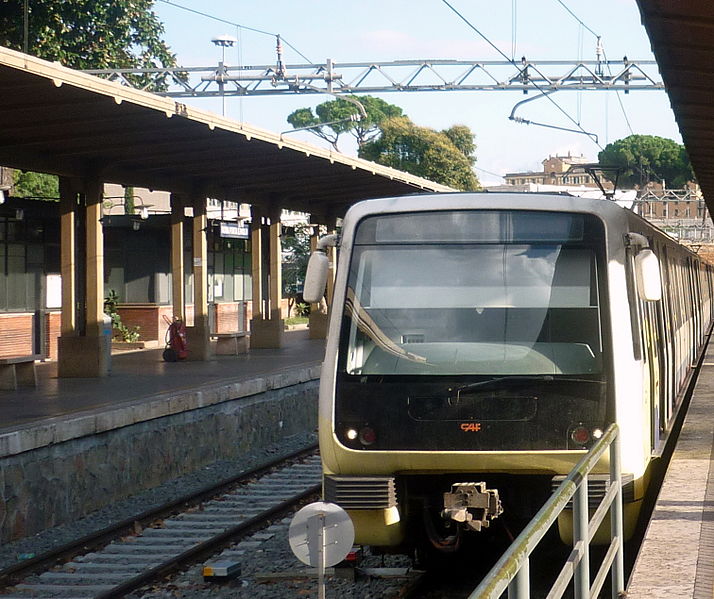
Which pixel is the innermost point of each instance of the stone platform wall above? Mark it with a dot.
(61, 471)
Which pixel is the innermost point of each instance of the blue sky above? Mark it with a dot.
(371, 30)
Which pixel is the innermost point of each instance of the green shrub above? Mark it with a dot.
(123, 332)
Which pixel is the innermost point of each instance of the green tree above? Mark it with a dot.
(129, 200)
(463, 138)
(85, 34)
(27, 184)
(89, 34)
(442, 156)
(336, 117)
(647, 158)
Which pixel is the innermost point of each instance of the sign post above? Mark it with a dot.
(321, 535)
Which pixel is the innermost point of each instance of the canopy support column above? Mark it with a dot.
(198, 336)
(267, 331)
(68, 240)
(88, 354)
(178, 299)
(275, 274)
(256, 262)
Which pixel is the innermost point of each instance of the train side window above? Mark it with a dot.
(633, 302)
(668, 303)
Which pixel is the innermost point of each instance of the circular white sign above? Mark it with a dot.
(321, 531)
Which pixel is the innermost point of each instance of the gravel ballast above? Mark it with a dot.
(269, 570)
(49, 539)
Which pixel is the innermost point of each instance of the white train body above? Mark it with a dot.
(458, 324)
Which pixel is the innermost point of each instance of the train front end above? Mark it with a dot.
(466, 363)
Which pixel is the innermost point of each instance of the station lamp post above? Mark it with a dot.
(223, 41)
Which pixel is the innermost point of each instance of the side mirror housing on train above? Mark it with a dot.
(317, 268)
(649, 281)
(316, 277)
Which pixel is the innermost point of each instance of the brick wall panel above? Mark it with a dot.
(145, 317)
(52, 331)
(15, 335)
(228, 317)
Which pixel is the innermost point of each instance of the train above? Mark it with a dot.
(480, 343)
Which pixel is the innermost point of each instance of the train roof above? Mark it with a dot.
(548, 201)
(608, 210)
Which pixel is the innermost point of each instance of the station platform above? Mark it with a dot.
(140, 386)
(676, 559)
(73, 447)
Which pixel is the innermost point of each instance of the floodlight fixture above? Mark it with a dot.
(225, 40)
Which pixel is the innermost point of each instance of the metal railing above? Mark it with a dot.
(511, 572)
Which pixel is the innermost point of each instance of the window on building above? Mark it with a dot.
(22, 263)
(229, 270)
(137, 264)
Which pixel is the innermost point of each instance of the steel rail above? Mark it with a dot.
(209, 547)
(87, 543)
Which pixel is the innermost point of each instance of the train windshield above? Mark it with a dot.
(474, 292)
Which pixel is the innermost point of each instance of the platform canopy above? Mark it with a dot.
(58, 120)
(682, 36)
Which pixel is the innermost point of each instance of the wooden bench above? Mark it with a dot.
(18, 371)
(231, 344)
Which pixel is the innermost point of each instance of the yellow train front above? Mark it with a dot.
(480, 343)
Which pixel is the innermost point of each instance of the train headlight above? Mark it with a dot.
(351, 434)
(367, 436)
(597, 433)
(580, 435)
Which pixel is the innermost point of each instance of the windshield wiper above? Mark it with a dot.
(368, 326)
(521, 377)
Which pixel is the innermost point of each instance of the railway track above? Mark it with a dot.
(116, 561)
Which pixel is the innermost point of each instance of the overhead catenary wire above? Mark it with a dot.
(483, 170)
(515, 64)
(580, 57)
(572, 14)
(514, 27)
(234, 24)
(602, 49)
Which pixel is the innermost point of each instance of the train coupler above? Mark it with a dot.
(472, 504)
